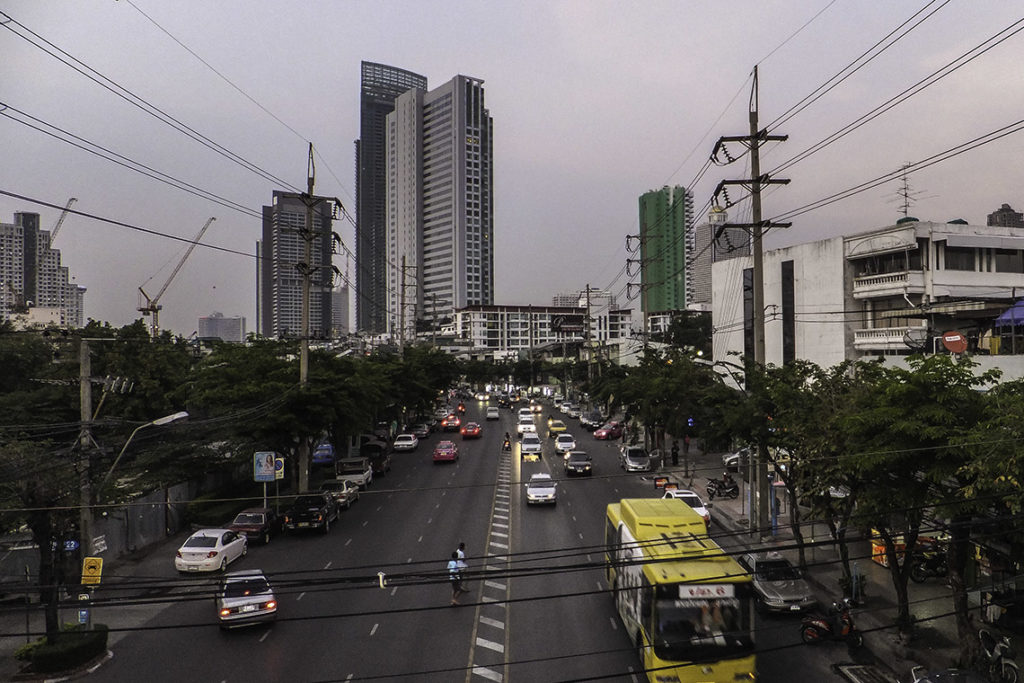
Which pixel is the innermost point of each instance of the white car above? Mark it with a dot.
(245, 598)
(210, 550)
(693, 500)
(540, 489)
(564, 443)
(493, 413)
(406, 442)
(525, 412)
(526, 426)
(531, 446)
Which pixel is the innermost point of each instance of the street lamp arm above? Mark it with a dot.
(155, 423)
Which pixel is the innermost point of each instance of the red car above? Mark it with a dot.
(471, 430)
(451, 423)
(446, 451)
(609, 430)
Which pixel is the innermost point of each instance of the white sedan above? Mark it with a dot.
(540, 489)
(693, 500)
(210, 550)
(564, 443)
(406, 442)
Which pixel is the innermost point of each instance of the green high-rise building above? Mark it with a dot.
(666, 238)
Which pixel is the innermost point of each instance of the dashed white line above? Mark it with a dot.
(374, 629)
(348, 541)
(504, 545)
(487, 673)
(494, 584)
(394, 590)
(264, 636)
(300, 595)
(328, 565)
(492, 622)
(419, 540)
(379, 508)
(500, 534)
(580, 535)
(366, 522)
(490, 645)
(615, 626)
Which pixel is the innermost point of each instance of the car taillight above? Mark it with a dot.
(270, 605)
(319, 518)
(225, 612)
(178, 554)
(212, 553)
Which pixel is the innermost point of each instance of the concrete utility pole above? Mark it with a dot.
(762, 501)
(401, 312)
(85, 443)
(586, 337)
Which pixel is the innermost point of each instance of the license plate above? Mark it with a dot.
(193, 569)
(248, 608)
(302, 524)
(794, 608)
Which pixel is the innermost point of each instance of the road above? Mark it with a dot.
(537, 610)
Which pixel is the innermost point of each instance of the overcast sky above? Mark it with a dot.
(594, 103)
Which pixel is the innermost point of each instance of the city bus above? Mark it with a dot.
(687, 607)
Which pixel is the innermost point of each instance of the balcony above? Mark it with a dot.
(888, 284)
(887, 338)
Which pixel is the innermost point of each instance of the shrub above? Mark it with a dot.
(71, 648)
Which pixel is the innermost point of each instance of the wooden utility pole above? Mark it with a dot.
(760, 521)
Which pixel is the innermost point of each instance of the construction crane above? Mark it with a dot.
(60, 221)
(152, 305)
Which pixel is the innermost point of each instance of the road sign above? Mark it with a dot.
(278, 468)
(92, 570)
(263, 466)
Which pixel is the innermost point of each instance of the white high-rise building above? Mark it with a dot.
(440, 204)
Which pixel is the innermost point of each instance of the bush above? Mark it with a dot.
(73, 647)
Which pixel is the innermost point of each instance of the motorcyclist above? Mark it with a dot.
(507, 444)
(727, 480)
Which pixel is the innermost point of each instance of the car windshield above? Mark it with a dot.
(332, 486)
(691, 500)
(239, 588)
(405, 437)
(564, 439)
(579, 457)
(249, 518)
(309, 501)
(777, 571)
(701, 629)
(201, 542)
(351, 467)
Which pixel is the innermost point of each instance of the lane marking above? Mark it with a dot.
(374, 629)
(492, 622)
(379, 508)
(348, 541)
(500, 534)
(419, 540)
(328, 565)
(490, 644)
(300, 596)
(394, 590)
(504, 545)
(615, 627)
(494, 584)
(487, 673)
(264, 636)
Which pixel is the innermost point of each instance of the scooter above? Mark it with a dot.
(927, 563)
(817, 628)
(718, 487)
(506, 445)
(1000, 654)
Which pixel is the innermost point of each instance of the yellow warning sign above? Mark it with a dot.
(92, 570)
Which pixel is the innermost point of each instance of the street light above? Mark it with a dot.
(159, 422)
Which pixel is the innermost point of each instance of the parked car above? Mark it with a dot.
(693, 500)
(343, 491)
(531, 447)
(245, 598)
(356, 470)
(564, 443)
(608, 431)
(471, 430)
(445, 451)
(421, 430)
(592, 420)
(406, 442)
(578, 463)
(210, 550)
(380, 463)
(556, 427)
(634, 459)
(493, 413)
(451, 423)
(323, 454)
(779, 586)
(737, 459)
(311, 511)
(256, 524)
(540, 489)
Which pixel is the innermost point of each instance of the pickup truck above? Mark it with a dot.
(311, 511)
(356, 470)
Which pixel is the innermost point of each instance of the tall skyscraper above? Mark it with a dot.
(282, 258)
(31, 274)
(216, 326)
(380, 85)
(440, 203)
(666, 239)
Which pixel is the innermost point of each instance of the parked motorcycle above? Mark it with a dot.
(816, 628)
(1000, 654)
(927, 563)
(723, 489)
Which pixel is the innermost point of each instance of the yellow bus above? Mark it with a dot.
(686, 605)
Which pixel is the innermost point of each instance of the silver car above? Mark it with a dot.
(778, 584)
(634, 459)
(245, 598)
(540, 489)
(564, 443)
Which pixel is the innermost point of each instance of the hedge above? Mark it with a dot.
(72, 648)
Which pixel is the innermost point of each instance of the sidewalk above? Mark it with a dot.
(935, 640)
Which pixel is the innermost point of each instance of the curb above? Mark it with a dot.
(78, 672)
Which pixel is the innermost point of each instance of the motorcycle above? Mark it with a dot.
(506, 445)
(1000, 654)
(927, 563)
(816, 628)
(718, 487)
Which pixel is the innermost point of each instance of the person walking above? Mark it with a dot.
(675, 452)
(455, 577)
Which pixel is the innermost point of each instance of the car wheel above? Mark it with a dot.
(224, 564)
(245, 549)
(327, 526)
(266, 537)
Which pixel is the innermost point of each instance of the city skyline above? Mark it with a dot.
(596, 104)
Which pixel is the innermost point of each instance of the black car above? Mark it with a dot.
(311, 511)
(578, 463)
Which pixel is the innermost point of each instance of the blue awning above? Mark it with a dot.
(1012, 316)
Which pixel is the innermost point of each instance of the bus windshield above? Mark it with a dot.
(701, 629)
